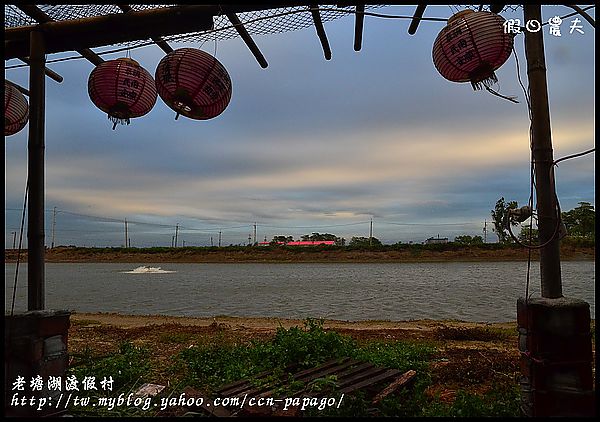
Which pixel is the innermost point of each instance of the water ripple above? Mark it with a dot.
(486, 291)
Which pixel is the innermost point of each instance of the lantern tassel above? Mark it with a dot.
(484, 83)
(118, 120)
(483, 77)
(510, 98)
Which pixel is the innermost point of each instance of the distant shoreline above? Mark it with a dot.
(410, 254)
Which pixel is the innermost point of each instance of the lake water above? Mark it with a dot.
(468, 291)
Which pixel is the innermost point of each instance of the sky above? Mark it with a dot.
(310, 145)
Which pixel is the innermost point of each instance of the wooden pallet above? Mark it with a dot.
(348, 375)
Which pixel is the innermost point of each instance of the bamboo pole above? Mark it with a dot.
(541, 146)
(35, 210)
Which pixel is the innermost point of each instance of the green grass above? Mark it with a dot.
(209, 367)
(497, 403)
(128, 367)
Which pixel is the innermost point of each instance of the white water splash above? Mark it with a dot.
(148, 270)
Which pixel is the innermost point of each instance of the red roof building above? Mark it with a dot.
(302, 243)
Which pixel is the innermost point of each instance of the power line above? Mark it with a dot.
(314, 227)
(429, 224)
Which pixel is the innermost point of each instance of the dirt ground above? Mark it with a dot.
(470, 356)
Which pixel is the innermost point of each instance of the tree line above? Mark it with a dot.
(579, 223)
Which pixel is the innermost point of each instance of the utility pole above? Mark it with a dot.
(219, 238)
(14, 240)
(176, 233)
(211, 241)
(554, 331)
(184, 243)
(126, 234)
(254, 237)
(173, 241)
(53, 227)
(541, 148)
(371, 233)
(485, 231)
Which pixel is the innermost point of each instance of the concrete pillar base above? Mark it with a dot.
(35, 344)
(556, 357)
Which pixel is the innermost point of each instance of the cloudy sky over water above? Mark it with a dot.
(310, 145)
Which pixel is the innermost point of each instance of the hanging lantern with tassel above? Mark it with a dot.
(123, 89)
(193, 83)
(16, 109)
(471, 47)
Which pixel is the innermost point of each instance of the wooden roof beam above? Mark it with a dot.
(157, 40)
(109, 29)
(314, 10)
(416, 20)
(496, 8)
(358, 26)
(235, 21)
(41, 17)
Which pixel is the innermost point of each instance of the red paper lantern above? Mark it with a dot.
(471, 47)
(123, 89)
(193, 83)
(16, 109)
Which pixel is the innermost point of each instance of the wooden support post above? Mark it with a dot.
(541, 146)
(239, 27)
(358, 26)
(36, 146)
(314, 10)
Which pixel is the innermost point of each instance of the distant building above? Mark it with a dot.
(434, 240)
(301, 243)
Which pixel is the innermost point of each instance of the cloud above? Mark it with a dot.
(310, 142)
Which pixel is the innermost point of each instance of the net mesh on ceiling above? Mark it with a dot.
(261, 22)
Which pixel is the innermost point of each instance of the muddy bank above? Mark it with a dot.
(284, 255)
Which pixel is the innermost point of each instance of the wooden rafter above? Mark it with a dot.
(583, 13)
(358, 26)
(49, 72)
(235, 21)
(316, 15)
(96, 31)
(414, 24)
(157, 39)
(41, 17)
(24, 91)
